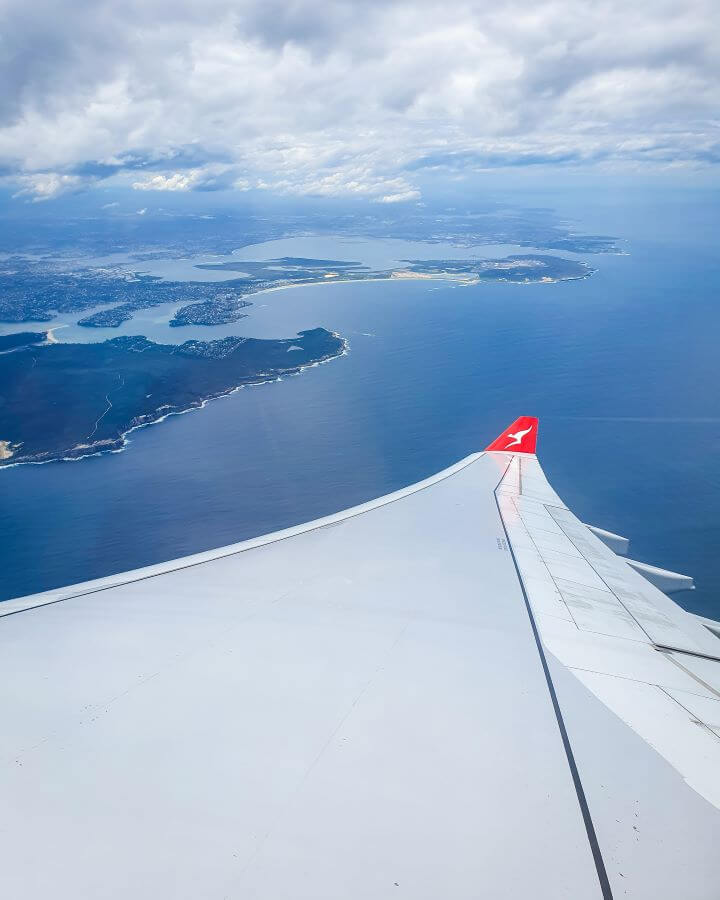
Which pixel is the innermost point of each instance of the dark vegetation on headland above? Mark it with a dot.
(21, 339)
(68, 400)
(524, 269)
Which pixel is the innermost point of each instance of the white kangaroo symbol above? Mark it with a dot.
(518, 436)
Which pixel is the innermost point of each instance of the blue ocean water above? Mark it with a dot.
(623, 369)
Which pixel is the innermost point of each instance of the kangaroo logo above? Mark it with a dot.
(517, 437)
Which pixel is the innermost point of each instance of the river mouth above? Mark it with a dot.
(269, 314)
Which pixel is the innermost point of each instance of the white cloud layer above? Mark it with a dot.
(206, 177)
(348, 97)
(46, 185)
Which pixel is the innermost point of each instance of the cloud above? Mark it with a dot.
(400, 197)
(206, 178)
(347, 97)
(48, 185)
(319, 178)
(174, 182)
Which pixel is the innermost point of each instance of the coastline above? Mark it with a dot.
(50, 333)
(402, 275)
(119, 444)
(464, 279)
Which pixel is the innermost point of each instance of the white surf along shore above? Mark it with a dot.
(7, 448)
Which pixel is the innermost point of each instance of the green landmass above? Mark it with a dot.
(21, 339)
(30, 292)
(108, 318)
(68, 400)
(220, 312)
(515, 269)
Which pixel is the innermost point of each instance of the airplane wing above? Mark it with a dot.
(458, 690)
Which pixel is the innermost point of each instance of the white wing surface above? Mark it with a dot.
(455, 691)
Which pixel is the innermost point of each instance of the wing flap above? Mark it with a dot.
(617, 631)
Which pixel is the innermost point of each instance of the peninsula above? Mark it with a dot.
(64, 401)
(108, 318)
(220, 312)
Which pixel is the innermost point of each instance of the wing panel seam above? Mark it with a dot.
(575, 774)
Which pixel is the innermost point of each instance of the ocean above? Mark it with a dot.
(622, 368)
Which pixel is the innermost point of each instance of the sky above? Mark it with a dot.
(349, 99)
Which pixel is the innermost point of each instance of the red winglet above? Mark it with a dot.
(520, 437)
